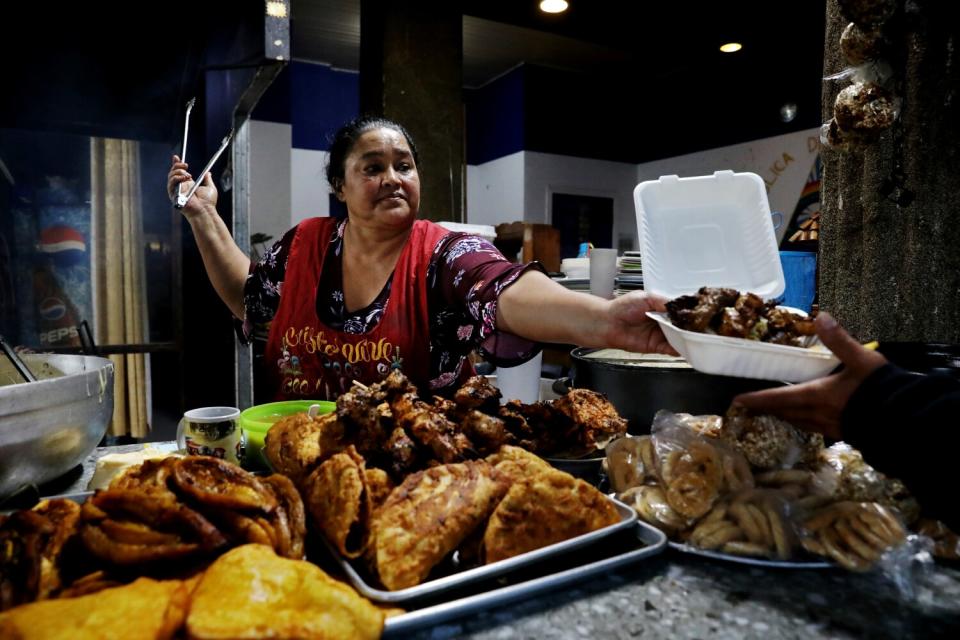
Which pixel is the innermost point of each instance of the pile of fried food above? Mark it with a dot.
(756, 486)
(392, 429)
(727, 312)
(403, 484)
(248, 592)
(190, 547)
(162, 517)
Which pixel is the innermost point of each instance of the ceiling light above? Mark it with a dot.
(731, 47)
(788, 111)
(276, 9)
(553, 6)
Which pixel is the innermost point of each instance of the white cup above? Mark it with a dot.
(603, 270)
(521, 382)
(212, 431)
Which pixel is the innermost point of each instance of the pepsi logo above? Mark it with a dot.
(52, 308)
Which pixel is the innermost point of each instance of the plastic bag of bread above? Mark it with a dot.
(752, 522)
(630, 462)
(694, 471)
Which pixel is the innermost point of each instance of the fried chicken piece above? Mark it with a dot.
(477, 393)
(696, 313)
(546, 508)
(90, 583)
(431, 429)
(218, 483)
(295, 445)
(486, 432)
(291, 506)
(428, 516)
(280, 598)
(402, 452)
(595, 421)
(515, 422)
(144, 609)
(768, 442)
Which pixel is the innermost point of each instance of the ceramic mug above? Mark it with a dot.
(212, 431)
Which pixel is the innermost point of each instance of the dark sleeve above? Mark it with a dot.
(470, 274)
(907, 425)
(261, 292)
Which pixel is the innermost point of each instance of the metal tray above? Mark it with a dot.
(756, 562)
(621, 550)
(628, 518)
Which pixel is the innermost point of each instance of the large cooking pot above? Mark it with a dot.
(640, 385)
(49, 426)
(924, 357)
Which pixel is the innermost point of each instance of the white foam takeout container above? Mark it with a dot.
(716, 231)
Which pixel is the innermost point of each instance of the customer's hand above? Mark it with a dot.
(631, 329)
(204, 200)
(817, 405)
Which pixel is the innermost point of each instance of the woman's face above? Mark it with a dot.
(381, 184)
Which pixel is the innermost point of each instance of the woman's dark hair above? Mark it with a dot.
(347, 136)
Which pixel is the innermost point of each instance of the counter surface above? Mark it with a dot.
(680, 596)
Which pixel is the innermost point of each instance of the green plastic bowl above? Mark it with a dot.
(256, 421)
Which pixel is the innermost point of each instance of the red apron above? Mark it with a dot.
(307, 359)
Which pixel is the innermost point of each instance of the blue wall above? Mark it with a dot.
(314, 99)
(494, 118)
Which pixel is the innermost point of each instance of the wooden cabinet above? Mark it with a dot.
(526, 241)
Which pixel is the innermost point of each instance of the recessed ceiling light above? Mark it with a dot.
(553, 6)
(788, 111)
(731, 47)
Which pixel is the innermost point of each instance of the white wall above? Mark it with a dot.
(308, 186)
(269, 178)
(547, 174)
(495, 191)
(784, 162)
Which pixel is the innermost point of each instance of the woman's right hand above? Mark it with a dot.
(205, 199)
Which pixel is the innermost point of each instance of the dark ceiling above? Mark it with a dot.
(126, 69)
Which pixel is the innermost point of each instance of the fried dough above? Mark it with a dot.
(428, 516)
(218, 483)
(250, 592)
(295, 445)
(146, 608)
(546, 508)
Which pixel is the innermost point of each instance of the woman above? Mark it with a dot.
(350, 300)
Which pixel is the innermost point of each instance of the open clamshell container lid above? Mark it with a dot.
(712, 231)
(716, 231)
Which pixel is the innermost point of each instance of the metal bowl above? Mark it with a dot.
(50, 426)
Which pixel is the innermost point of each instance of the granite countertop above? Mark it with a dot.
(674, 595)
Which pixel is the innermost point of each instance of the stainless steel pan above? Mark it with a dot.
(49, 426)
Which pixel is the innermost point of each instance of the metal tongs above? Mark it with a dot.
(18, 364)
(182, 199)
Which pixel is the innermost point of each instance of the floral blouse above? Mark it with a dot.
(466, 276)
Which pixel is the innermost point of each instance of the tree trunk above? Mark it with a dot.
(891, 271)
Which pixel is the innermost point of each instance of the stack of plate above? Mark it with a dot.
(629, 273)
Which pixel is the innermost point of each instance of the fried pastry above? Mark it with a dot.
(250, 592)
(516, 465)
(290, 515)
(145, 609)
(335, 499)
(550, 507)
(218, 483)
(428, 516)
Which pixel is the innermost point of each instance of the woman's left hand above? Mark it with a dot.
(630, 328)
